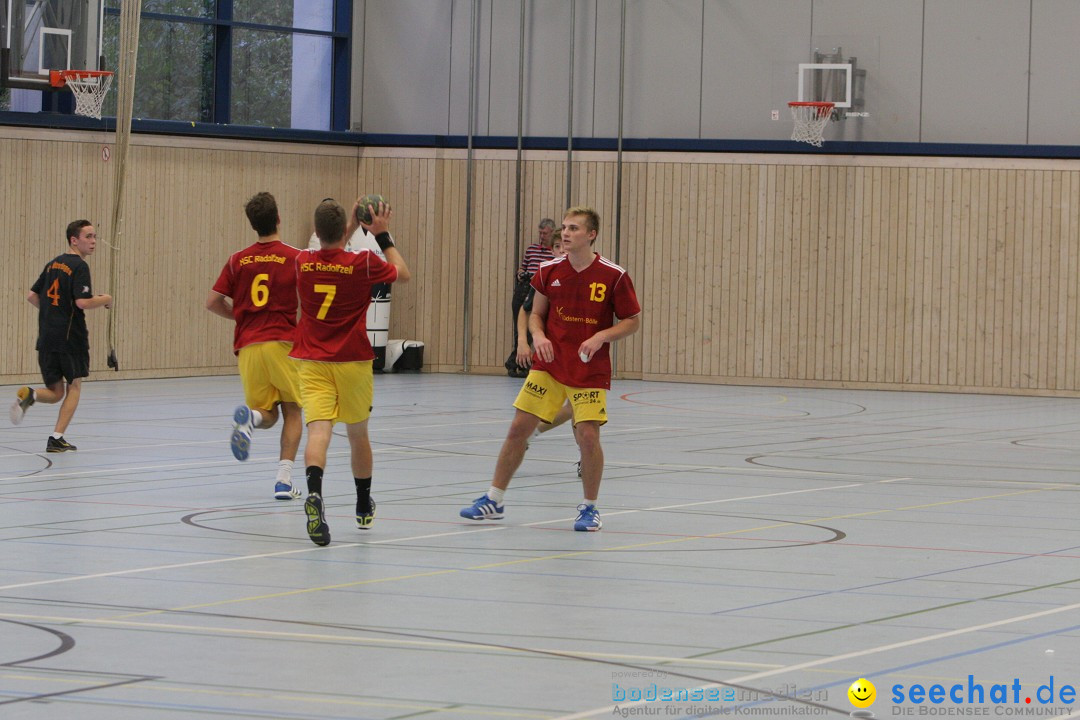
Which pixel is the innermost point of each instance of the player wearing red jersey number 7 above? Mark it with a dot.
(336, 383)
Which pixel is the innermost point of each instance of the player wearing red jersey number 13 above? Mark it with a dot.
(332, 345)
(578, 298)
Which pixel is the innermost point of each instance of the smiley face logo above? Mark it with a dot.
(862, 693)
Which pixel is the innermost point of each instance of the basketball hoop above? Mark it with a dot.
(88, 86)
(810, 119)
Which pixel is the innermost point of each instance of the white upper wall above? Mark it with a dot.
(987, 71)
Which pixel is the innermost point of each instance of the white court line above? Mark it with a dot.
(217, 561)
(426, 446)
(384, 426)
(419, 450)
(225, 461)
(426, 537)
(716, 502)
(743, 679)
(121, 469)
(114, 469)
(121, 447)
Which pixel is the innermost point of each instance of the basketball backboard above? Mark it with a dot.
(832, 77)
(37, 36)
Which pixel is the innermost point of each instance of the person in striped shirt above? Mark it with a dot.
(535, 254)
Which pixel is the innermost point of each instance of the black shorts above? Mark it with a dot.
(57, 366)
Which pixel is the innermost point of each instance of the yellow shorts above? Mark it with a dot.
(338, 392)
(543, 395)
(268, 375)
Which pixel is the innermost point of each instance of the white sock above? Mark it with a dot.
(256, 418)
(57, 436)
(284, 471)
(496, 494)
(587, 501)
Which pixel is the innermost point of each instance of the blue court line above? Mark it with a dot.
(928, 661)
(890, 582)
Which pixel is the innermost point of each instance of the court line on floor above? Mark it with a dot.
(396, 642)
(682, 506)
(282, 553)
(120, 469)
(196, 563)
(542, 558)
(742, 679)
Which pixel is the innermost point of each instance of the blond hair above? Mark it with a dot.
(592, 218)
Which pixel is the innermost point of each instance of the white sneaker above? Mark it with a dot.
(240, 441)
(24, 398)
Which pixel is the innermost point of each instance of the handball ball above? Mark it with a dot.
(363, 214)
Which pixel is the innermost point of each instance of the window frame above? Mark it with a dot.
(223, 26)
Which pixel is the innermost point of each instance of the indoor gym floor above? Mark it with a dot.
(756, 540)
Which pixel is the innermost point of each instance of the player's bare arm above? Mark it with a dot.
(219, 305)
(351, 223)
(524, 352)
(34, 300)
(97, 301)
(537, 320)
(618, 331)
(380, 223)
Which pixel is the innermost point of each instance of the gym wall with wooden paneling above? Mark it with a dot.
(799, 270)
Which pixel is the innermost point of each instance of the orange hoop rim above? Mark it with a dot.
(819, 109)
(59, 78)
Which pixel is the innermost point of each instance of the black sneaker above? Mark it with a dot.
(365, 515)
(317, 529)
(24, 398)
(58, 445)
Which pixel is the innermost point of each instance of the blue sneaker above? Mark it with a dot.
(483, 508)
(285, 491)
(365, 515)
(240, 442)
(317, 529)
(588, 519)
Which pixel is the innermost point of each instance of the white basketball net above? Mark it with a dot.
(89, 94)
(810, 121)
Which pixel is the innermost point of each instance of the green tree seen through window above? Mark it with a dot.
(175, 72)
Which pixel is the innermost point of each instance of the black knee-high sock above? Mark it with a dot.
(314, 479)
(363, 494)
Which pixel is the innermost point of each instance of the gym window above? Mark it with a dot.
(270, 63)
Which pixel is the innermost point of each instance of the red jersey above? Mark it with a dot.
(581, 304)
(335, 291)
(261, 280)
